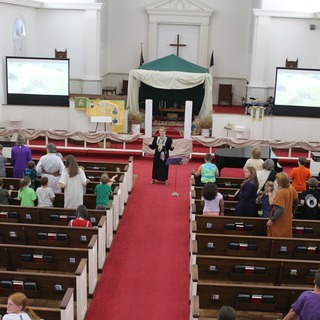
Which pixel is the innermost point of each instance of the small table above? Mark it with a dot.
(171, 110)
(109, 90)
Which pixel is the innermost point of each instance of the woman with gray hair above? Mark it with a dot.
(51, 166)
(267, 174)
(20, 156)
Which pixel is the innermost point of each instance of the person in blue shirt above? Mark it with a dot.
(31, 172)
(208, 170)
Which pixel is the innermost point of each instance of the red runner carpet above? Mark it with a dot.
(146, 275)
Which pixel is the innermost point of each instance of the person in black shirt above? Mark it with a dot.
(310, 201)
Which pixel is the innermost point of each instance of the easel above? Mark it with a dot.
(176, 162)
(101, 119)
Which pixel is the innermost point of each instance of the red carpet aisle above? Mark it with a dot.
(146, 272)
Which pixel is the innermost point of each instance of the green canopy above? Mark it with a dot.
(173, 80)
(173, 63)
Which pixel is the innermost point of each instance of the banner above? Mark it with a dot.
(108, 108)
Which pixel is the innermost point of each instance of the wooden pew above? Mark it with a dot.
(255, 246)
(273, 300)
(53, 259)
(121, 167)
(89, 199)
(56, 216)
(124, 180)
(94, 178)
(125, 167)
(117, 198)
(254, 270)
(55, 236)
(47, 289)
(63, 311)
(227, 193)
(222, 182)
(229, 207)
(250, 226)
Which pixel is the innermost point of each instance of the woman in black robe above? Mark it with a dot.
(161, 144)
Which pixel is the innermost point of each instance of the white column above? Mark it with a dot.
(92, 79)
(259, 61)
(148, 119)
(187, 120)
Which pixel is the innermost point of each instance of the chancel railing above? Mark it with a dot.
(99, 141)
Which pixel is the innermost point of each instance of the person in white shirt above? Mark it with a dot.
(45, 194)
(212, 200)
(51, 166)
(255, 161)
(17, 308)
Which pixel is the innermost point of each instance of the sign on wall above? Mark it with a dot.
(104, 108)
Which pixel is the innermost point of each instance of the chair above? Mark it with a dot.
(291, 64)
(225, 93)
(124, 91)
(60, 54)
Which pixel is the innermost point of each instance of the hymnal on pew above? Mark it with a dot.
(37, 258)
(3, 215)
(30, 286)
(13, 215)
(17, 285)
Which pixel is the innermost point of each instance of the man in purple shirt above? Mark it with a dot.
(20, 156)
(307, 306)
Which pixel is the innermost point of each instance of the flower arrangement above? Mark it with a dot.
(135, 117)
(204, 123)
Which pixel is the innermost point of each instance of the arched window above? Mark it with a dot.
(19, 37)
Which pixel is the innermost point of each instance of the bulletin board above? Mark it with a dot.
(108, 108)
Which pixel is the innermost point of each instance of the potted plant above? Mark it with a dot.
(204, 124)
(135, 118)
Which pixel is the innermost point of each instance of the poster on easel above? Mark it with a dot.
(108, 108)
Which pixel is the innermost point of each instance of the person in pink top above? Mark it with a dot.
(212, 200)
(300, 175)
(82, 218)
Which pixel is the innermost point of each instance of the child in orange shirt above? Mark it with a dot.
(300, 175)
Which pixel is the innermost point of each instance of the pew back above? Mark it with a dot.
(255, 246)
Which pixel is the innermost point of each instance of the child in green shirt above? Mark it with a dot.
(103, 191)
(26, 195)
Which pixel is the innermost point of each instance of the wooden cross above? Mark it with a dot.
(178, 44)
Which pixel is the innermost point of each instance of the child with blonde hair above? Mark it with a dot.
(266, 199)
(26, 195)
(17, 308)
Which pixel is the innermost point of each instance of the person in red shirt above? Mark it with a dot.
(82, 219)
(300, 175)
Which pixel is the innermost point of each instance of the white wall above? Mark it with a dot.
(292, 39)
(271, 127)
(124, 25)
(293, 5)
(228, 35)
